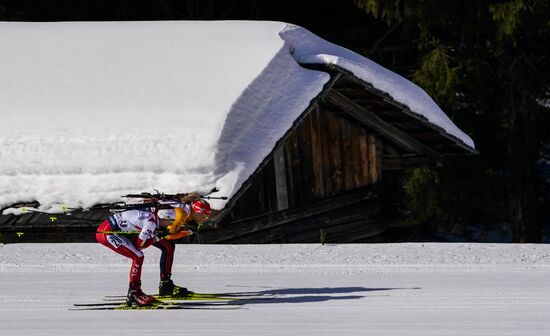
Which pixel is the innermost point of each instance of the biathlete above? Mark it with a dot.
(147, 225)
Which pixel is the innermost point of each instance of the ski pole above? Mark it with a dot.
(119, 232)
(215, 197)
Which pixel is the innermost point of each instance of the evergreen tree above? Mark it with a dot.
(487, 65)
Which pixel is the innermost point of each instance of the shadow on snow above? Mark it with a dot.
(302, 295)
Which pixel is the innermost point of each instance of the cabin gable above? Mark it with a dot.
(329, 171)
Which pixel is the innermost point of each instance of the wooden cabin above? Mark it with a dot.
(337, 175)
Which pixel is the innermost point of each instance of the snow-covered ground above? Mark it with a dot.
(386, 289)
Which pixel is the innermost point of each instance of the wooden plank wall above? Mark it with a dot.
(260, 197)
(350, 217)
(325, 155)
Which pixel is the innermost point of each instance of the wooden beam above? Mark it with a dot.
(317, 155)
(373, 159)
(280, 179)
(384, 129)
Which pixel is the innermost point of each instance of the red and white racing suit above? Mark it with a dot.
(111, 233)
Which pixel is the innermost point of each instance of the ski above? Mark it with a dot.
(203, 296)
(214, 297)
(158, 304)
(154, 303)
(155, 306)
(181, 298)
(191, 301)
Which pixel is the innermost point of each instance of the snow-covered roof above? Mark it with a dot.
(93, 110)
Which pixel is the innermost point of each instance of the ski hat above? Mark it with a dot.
(202, 207)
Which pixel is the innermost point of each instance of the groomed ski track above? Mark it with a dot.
(374, 289)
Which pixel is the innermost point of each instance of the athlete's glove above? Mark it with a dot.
(143, 244)
(147, 238)
(178, 235)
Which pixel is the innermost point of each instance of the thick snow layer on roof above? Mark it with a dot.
(311, 49)
(93, 111)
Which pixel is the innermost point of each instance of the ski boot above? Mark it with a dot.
(137, 297)
(167, 288)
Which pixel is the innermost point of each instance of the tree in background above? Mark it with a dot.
(487, 65)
